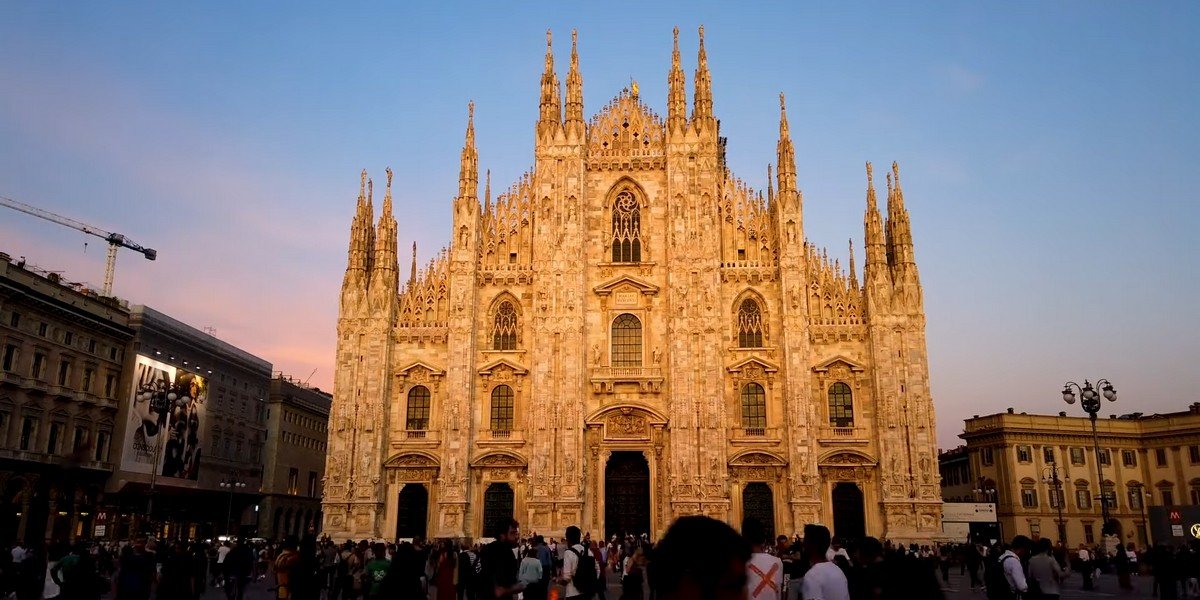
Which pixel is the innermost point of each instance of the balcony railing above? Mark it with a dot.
(415, 434)
(844, 435)
(755, 431)
(500, 434)
(648, 378)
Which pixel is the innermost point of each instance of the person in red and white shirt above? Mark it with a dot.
(764, 573)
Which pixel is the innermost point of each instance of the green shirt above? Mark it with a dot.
(376, 570)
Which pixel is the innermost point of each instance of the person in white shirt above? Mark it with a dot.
(824, 580)
(835, 550)
(1010, 563)
(571, 557)
(764, 572)
(19, 553)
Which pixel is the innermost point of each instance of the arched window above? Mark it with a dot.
(749, 324)
(626, 229)
(627, 341)
(841, 405)
(504, 327)
(502, 408)
(417, 415)
(754, 406)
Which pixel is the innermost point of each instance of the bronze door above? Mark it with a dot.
(497, 508)
(849, 520)
(626, 494)
(758, 502)
(412, 512)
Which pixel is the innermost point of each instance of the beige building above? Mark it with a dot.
(298, 423)
(62, 348)
(1147, 460)
(627, 334)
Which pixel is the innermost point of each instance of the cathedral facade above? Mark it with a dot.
(628, 334)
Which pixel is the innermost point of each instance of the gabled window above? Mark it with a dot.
(417, 417)
(502, 408)
(504, 327)
(754, 407)
(626, 229)
(841, 405)
(749, 325)
(626, 341)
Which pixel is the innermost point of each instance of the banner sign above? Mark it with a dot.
(164, 415)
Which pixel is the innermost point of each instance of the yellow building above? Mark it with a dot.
(1146, 460)
(628, 334)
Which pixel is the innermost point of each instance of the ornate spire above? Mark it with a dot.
(702, 102)
(468, 168)
(387, 194)
(785, 157)
(574, 85)
(412, 274)
(551, 102)
(899, 229)
(853, 268)
(770, 184)
(873, 232)
(487, 187)
(676, 96)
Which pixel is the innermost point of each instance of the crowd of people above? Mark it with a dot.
(698, 557)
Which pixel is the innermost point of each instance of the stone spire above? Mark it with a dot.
(702, 102)
(384, 270)
(551, 103)
(468, 168)
(876, 269)
(853, 268)
(412, 274)
(358, 262)
(770, 185)
(574, 120)
(786, 161)
(676, 95)
(900, 253)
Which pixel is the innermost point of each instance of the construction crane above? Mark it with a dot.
(115, 240)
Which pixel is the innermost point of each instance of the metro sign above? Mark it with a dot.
(1174, 515)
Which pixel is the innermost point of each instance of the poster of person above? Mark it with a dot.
(181, 452)
(147, 414)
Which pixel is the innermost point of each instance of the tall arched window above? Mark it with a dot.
(502, 408)
(417, 414)
(841, 405)
(749, 324)
(626, 229)
(504, 327)
(627, 341)
(754, 406)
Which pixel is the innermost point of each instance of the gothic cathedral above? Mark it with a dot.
(628, 334)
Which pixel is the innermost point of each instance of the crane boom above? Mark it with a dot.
(114, 240)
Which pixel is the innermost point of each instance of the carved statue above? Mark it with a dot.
(657, 356)
(596, 354)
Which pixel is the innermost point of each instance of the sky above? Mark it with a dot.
(1048, 152)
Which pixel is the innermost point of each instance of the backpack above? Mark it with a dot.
(584, 579)
(996, 582)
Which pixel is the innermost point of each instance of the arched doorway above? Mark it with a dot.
(497, 508)
(412, 511)
(626, 494)
(759, 503)
(849, 520)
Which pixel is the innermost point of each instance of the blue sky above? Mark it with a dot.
(1048, 152)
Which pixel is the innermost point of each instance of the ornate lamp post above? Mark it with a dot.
(232, 483)
(1050, 477)
(1090, 401)
(1143, 496)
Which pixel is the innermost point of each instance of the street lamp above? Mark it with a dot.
(1050, 476)
(990, 494)
(1090, 401)
(1143, 497)
(232, 483)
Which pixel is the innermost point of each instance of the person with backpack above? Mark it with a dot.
(469, 570)
(580, 574)
(1005, 578)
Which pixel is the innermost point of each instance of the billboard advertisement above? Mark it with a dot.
(165, 414)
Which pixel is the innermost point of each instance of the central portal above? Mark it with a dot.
(626, 494)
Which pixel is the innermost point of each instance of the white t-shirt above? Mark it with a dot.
(764, 577)
(831, 553)
(570, 561)
(825, 581)
(222, 552)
